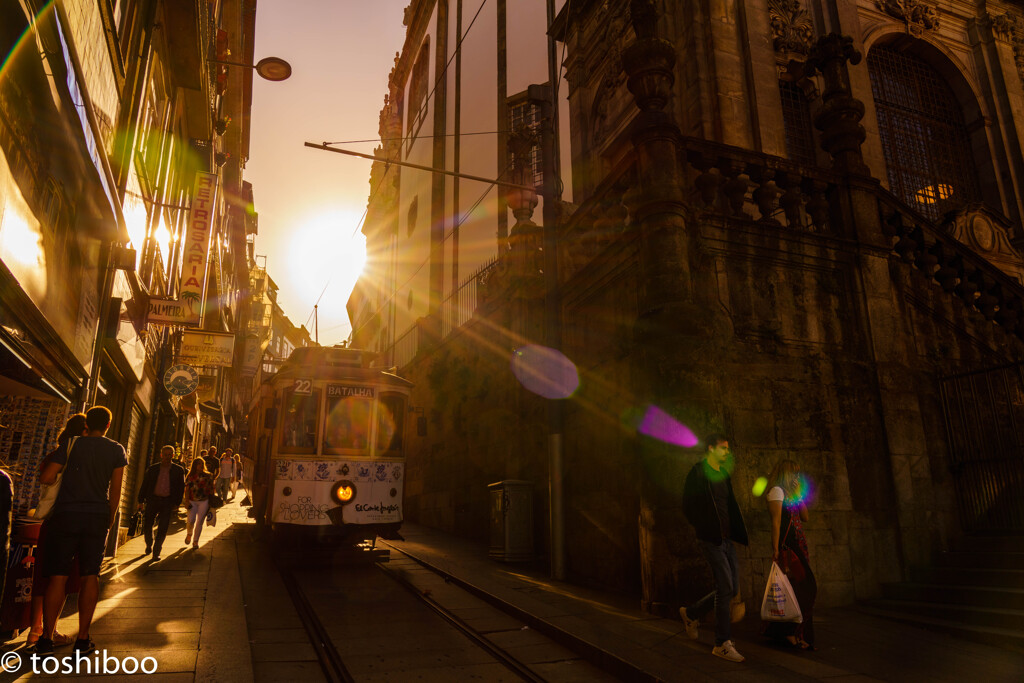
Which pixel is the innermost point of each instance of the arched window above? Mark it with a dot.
(924, 139)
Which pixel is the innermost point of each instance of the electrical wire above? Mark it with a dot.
(440, 77)
(463, 219)
(413, 137)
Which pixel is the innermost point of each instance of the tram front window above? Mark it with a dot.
(298, 427)
(348, 423)
(390, 423)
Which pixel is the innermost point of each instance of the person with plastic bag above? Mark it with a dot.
(787, 507)
(710, 506)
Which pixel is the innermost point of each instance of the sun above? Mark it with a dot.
(326, 251)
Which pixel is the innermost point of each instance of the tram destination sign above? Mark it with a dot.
(207, 348)
(345, 391)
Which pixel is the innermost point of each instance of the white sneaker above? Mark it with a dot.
(692, 625)
(727, 651)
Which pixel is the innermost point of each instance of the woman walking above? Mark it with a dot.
(198, 489)
(788, 509)
(75, 427)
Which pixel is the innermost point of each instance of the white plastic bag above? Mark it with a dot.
(779, 602)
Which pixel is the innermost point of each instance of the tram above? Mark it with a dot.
(327, 438)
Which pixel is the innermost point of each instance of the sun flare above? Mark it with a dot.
(326, 252)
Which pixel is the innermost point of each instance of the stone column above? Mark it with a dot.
(670, 337)
(840, 114)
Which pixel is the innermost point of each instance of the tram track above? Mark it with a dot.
(477, 637)
(326, 653)
(341, 650)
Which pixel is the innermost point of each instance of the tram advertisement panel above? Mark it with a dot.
(302, 491)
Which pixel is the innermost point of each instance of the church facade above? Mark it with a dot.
(797, 222)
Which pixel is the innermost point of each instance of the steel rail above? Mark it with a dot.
(511, 663)
(330, 660)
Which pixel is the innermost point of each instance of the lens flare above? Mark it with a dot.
(759, 486)
(659, 425)
(804, 491)
(546, 372)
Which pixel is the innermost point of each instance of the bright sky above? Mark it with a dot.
(310, 201)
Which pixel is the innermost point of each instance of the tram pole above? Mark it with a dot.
(541, 96)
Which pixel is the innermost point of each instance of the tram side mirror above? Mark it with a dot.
(270, 417)
(421, 426)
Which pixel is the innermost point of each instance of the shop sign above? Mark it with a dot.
(207, 348)
(167, 312)
(181, 379)
(196, 252)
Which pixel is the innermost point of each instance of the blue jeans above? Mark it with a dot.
(722, 559)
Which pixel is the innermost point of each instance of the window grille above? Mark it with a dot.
(926, 145)
(796, 115)
(526, 115)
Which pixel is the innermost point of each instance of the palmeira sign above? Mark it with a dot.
(196, 252)
(207, 348)
(167, 312)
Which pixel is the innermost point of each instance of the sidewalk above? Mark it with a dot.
(185, 611)
(852, 646)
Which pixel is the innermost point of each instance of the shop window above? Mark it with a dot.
(925, 141)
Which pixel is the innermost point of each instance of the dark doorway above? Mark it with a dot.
(983, 412)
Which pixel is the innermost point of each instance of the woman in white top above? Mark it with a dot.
(788, 509)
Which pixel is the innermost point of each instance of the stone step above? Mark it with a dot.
(995, 543)
(971, 596)
(969, 615)
(969, 576)
(1001, 637)
(985, 559)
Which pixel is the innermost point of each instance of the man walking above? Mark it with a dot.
(212, 461)
(710, 506)
(162, 491)
(226, 474)
(89, 495)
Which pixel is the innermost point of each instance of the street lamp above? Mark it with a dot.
(269, 68)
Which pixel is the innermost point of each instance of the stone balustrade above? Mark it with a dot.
(955, 267)
(735, 183)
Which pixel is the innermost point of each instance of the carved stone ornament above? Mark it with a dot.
(792, 30)
(1010, 27)
(918, 15)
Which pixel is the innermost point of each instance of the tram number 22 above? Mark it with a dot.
(303, 387)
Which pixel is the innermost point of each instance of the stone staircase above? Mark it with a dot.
(975, 591)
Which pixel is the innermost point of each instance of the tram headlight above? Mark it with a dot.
(344, 492)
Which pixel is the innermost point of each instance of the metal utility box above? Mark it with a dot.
(511, 520)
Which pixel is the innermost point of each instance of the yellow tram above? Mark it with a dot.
(327, 439)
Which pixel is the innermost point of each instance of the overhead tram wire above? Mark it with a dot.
(458, 47)
(414, 137)
(463, 219)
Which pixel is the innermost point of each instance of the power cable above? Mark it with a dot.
(440, 77)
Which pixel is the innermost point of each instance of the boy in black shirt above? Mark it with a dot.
(90, 492)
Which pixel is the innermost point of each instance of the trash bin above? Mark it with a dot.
(511, 520)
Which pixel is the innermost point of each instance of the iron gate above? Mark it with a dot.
(983, 410)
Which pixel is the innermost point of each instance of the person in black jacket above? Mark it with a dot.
(710, 506)
(162, 491)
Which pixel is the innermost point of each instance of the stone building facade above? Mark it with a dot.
(847, 294)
